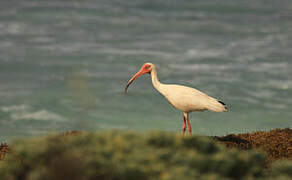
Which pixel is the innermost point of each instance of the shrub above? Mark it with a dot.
(128, 155)
(281, 170)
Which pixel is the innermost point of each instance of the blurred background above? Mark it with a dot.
(64, 64)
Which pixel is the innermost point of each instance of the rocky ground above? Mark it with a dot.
(277, 143)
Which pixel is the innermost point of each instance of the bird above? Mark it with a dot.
(183, 98)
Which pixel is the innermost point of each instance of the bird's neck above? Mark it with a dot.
(155, 81)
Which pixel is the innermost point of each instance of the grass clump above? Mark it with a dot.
(281, 170)
(129, 155)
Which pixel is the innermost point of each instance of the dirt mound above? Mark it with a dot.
(276, 143)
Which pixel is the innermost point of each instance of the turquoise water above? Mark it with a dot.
(64, 64)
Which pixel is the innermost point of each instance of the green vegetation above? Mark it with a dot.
(130, 155)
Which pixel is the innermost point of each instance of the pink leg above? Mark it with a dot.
(184, 126)
(189, 127)
(186, 117)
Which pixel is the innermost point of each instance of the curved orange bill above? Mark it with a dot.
(139, 73)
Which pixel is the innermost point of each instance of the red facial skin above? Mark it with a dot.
(146, 68)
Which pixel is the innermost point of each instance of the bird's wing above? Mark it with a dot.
(190, 99)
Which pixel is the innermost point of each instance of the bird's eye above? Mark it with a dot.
(147, 67)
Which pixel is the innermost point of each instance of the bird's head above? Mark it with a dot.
(146, 68)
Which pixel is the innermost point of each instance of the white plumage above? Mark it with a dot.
(181, 97)
(188, 99)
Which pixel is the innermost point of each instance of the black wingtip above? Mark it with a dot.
(223, 104)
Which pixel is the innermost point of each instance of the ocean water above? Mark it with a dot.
(64, 64)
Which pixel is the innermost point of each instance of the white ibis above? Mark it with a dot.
(181, 97)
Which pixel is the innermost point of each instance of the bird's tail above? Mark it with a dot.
(217, 106)
(225, 106)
